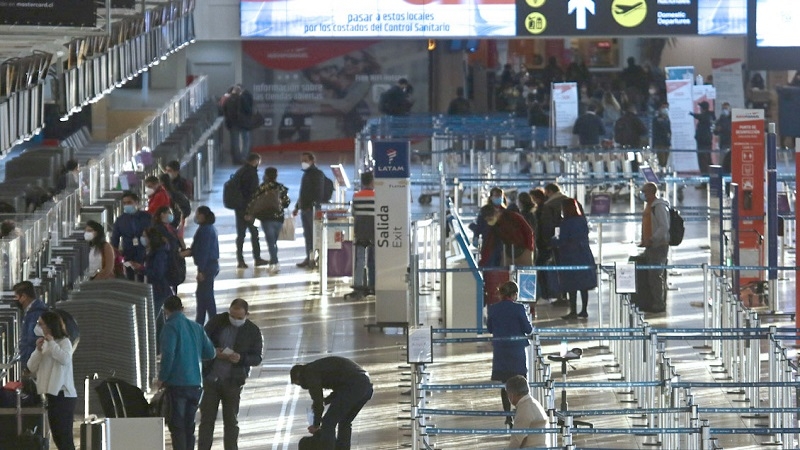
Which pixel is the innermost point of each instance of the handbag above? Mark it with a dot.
(287, 230)
(253, 121)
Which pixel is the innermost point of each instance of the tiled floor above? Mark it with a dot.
(300, 324)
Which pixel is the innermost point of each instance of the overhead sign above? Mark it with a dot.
(67, 13)
(607, 18)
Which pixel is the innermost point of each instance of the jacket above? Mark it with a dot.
(702, 133)
(205, 250)
(184, 345)
(660, 233)
(159, 198)
(662, 131)
(248, 181)
(511, 230)
(155, 269)
(506, 319)
(249, 345)
(589, 128)
(27, 339)
(332, 372)
(52, 368)
(128, 229)
(283, 193)
(628, 130)
(550, 218)
(573, 250)
(364, 217)
(311, 185)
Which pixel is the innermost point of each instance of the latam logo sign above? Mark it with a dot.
(392, 159)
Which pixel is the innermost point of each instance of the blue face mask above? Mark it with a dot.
(170, 218)
(497, 201)
(642, 196)
(129, 209)
(143, 240)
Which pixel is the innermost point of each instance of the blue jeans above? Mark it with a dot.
(272, 228)
(183, 401)
(240, 144)
(206, 303)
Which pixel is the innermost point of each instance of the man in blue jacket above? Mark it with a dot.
(184, 345)
(239, 346)
(32, 308)
(127, 233)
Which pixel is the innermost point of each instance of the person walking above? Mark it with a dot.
(572, 249)
(662, 134)
(703, 136)
(101, 253)
(184, 345)
(311, 187)
(51, 366)
(268, 206)
(655, 241)
(248, 186)
(232, 111)
(508, 318)
(127, 233)
(351, 388)
(205, 253)
(239, 345)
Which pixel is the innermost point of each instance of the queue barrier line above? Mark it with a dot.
(732, 384)
(558, 384)
(571, 412)
(574, 430)
(600, 331)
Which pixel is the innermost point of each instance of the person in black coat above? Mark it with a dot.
(662, 134)
(311, 192)
(572, 249)
(351, 388)
(705, 119)
(507, 318)
(248, 186)
(239, 346)
(589, 127)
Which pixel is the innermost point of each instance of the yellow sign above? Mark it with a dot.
(629, 13)
(535, 3)
(535, 23)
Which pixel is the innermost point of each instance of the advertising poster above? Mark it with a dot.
(565, 105)
(317, 95)
(728, 81)
(370, 18)
(67, 13)
(679, 96)
(747, 170)
(392, 223)
(680, 73)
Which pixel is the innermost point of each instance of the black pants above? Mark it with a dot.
(344, 408)
(229, 394)
(242, 227)
(60, 414)
(307, 219)
(704, 158)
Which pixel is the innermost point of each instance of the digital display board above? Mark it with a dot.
(772, 39)
(377, 18)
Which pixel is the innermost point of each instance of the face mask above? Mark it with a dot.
(149, 191)
(172, 175)
(305, 165)
(665, 111)
(143, 240)
(725, 112)
(88, 236)
(236, 322)
(497, 201)
(16, 304)
(642, 197)
(38, 331)
(128, 209)
(169, 219)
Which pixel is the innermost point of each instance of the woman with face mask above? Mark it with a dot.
(572, 249)
(51, 366)
(155, 269)
(205, 252)
(101, 253)
(162, 221)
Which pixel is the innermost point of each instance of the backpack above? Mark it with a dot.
(232, 197)
(327, 189)
(676, 227)
(267, 205)
(181, 203)
(176, 267)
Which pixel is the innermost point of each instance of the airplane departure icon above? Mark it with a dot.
(625, 9)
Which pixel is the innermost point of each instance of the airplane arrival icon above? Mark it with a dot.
(580, 8)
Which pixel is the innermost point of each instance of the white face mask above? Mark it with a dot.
(305, 165)
(38, 331)
(236, 322)
(88, 236)
(149, 191)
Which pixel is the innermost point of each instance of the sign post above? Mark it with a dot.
(747, 171)
(392, 199)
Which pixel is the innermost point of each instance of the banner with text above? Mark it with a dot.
(728, 81)
(679, 97)
(565, 104)
(67, 13)
(318, 95)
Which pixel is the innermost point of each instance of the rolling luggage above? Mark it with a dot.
(340, 261)
(93, 430)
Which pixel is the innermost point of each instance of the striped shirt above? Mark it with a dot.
(364, 216)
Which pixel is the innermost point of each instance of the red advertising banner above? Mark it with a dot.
(747, 170)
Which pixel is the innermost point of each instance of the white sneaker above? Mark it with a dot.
(274, 268)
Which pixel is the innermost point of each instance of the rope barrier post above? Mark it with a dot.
(551, 439)
(706, 304)
(705, 436)
(415, 432)
(323, 254)
(632, 195)
(413, 286)
(566, 432)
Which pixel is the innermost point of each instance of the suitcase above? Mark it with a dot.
(93, 430)
(31, 429)
(340, 261)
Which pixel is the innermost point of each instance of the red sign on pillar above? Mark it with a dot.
(747, 170)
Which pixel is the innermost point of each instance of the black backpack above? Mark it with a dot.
(232, 197)
(676, 227)
(327, 189)
(181, 203)
(176, 267)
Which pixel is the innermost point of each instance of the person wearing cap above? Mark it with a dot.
(507, 319)
(184, 345)
(351, 388)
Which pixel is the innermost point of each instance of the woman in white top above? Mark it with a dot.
(51, 365)
(101, 253)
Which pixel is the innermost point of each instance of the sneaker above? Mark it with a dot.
(241, 265)
(275, 268)
(261, 262)
(570, 316)
(583, 315)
